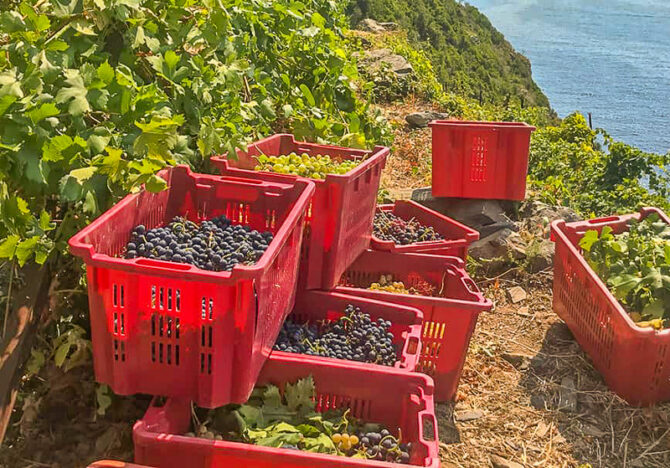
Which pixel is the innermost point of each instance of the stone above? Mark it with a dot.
(567, 395)
(500, 462)
(375, 59)
(503, 243)
(370, 25)
(524, 312)
(422, 119)
(518, 360)
(473, 213)
(468, 415)
(389, 25)
(540, 255)
(538, 401)
(542, 429)
(517, 294)
(538, 209)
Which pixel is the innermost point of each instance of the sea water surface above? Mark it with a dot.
(607, 57)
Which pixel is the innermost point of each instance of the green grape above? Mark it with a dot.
(305, 165)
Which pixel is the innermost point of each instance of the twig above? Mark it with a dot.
(648, 449)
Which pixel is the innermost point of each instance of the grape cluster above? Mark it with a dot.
(373, 445)
(305, 165)
(215, 245)
(354, 336)
(389, 227)
(383, 446)
(420, 287)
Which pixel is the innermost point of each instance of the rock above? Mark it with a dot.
(489, 229)
(370, 25)
(473, 213)
(499, 462)
(538, 209)
(567, 395)
(542, 429)
(518, 360)
(517, 294)
(523, 311)
(505, 243)
(468, 415)
(375, 59)
(538, 401)
(422, 119)
(540, 256)
(389, 25)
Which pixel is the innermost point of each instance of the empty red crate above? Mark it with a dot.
(448, 320)
(315, 306)
(456, 237)
(401, 401)
(632, 360)
(173, 329)
(480, 159)
(341, 214)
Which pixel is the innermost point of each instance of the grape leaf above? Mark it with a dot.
(8, 246)
(300, 395)
(40, 113)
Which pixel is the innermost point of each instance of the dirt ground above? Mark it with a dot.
(533, 397)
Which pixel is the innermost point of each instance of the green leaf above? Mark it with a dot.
(155, 184)
(6, 101)
(26, 249)
(589, 238)
(45, 223)
(8, 246)
(40, 113)
(106, 73)
(318, 20)
(52, 151)
(75, 93)
(83, 26)
(301, 394)
(654, 309)
(83, 174)
(171, 59)
(308, 95)
(103, 399)
(321, 444)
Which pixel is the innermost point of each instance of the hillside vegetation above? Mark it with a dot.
(470, 56)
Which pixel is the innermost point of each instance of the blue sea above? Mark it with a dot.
(607, 57)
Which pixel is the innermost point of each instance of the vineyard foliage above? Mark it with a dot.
(96, 96)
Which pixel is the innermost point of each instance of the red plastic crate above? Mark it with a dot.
(172, 329)
(480, 159)
(313, 306)
(632, 360)
(457, 237)
(448, 320)
(341, 214)
(115, 464)
(395, 399)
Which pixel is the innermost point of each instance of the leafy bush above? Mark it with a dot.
(96, 96)
(573, 165)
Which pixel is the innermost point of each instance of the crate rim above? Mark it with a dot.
(425, 386)
(481, 124)
(413, 358)
(557, 230)
(377, 151)
(79, 247)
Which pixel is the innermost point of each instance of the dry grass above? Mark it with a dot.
(409, 164)
(523, 420)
